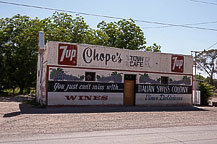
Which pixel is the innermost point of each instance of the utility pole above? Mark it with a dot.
(41, 48)
(195, 94)
(195, 63)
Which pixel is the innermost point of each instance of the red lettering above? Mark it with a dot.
(81, 98)
(97, 98)
(104, 98)
(70, 97)
(88, 97)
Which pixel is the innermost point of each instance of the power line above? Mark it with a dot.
(166, 25)
(61, 10)
(176, 25)
(183, 24)
(111, 17)
(212, 46)
(199, 1)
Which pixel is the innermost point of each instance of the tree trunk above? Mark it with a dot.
(28, 90)
(21, 89)
(211, 79)
(13, 91)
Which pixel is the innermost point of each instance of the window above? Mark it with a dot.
(90, 76)
(129, 77)
(164, 80)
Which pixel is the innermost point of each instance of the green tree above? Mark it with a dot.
(62, 27)
(2, 55)
(154, 48)
(20, 50)
(97, 37)
(206, 92)
(123, 34)
(207, 61)
(199, 77)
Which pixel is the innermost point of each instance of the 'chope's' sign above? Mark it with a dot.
(67, 54)
(177, 63)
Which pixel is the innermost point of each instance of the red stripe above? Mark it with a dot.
(47, 85)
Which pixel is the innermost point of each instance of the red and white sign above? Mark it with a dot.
(67, 54)
(84, 98)
(177, 63)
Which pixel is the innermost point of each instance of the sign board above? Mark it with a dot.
(41, 41)
(67, 54)
(94, 56)
(177, 63)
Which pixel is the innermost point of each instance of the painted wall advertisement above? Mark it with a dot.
(106, 57)
(67, 85)
(83, 93)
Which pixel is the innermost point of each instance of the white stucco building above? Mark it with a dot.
(81, 74)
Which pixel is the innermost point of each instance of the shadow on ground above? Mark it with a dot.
(13, 114)
(28, 109)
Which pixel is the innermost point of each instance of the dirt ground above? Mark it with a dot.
(17, 118)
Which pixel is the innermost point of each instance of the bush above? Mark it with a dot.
(206, 91)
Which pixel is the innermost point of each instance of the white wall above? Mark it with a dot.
(121, 61)
(153, 62)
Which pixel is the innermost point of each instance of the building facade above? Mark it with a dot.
(81, 74)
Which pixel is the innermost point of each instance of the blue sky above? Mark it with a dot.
(172, 39)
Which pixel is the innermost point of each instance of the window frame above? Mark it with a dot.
(164, 80)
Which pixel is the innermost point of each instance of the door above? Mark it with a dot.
(129, 90)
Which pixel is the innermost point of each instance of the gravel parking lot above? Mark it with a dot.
(17, 118)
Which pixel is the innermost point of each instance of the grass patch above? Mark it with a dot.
(11, 91)
(31, 91)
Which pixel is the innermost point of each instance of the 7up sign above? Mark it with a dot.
(177, 63)
(67, 54)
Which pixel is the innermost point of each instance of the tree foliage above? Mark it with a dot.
(154, 48)
(18, 51)
(62, 27)
(206, 91)
(207, 61)
(123, 34)
(199, 77)
(19, 42)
